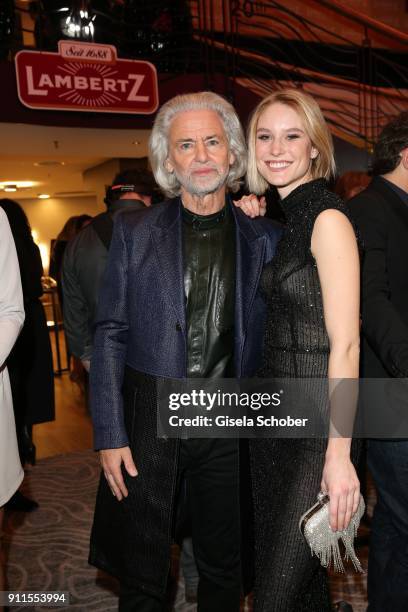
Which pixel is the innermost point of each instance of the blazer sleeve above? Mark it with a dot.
(275, 231)
(76, 311)
(11, 295)
(382, 326)
(110, 347)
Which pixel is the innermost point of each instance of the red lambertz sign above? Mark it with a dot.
(86, 77)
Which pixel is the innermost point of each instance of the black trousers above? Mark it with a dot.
(388, 556)
(210, 469)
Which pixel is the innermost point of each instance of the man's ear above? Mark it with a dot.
(314, 153)
(404, 158)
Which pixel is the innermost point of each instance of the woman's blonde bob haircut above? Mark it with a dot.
(159, 138)
(322, 166)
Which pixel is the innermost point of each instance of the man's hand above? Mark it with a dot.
(111, 462)
(87, 364)
(252, 206)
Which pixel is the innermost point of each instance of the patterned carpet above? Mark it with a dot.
(47, 549)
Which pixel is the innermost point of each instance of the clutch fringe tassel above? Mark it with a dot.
(324, 542)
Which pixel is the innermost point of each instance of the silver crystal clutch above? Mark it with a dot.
(324, 543)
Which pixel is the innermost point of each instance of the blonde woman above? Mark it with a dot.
(11, 321)
(312, 292)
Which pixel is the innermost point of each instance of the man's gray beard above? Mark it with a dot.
(195, 190)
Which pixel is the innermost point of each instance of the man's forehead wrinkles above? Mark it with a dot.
(208, 130)
(187, 125)
(189, 139)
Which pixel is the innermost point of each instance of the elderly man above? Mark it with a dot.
(180, 299)
(381, 214)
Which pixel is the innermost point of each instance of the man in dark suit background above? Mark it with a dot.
(180, 299)
(86, 256)
(381, 215)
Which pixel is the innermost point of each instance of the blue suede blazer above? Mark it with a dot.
(141, 320)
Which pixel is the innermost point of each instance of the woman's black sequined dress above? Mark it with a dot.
(286, 473)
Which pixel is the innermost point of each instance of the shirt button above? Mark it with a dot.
(178, 326)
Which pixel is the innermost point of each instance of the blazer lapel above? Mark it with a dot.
(168, 243)
(250, 251)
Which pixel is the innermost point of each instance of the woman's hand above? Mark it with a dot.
(340, 481)
(252, 206)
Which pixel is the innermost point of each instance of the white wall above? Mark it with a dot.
(47, 217)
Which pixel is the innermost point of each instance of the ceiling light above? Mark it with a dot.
(49, 163)
(44, 196)
(13, 185)
(79, 23)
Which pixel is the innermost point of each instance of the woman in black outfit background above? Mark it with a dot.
(312, 292)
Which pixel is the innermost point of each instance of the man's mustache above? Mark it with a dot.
(206, 166)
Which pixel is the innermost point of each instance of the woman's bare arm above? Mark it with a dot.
(334, 247)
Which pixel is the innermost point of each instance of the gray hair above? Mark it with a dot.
(159, 138)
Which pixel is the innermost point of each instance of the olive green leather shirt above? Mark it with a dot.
(209, 285)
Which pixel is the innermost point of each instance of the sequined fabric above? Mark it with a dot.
(287, 473)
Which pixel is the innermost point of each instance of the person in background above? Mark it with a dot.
(86, 256)
(30, 362)
(11, 322)
(71, 228)
(350, 184)
(381, 215)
